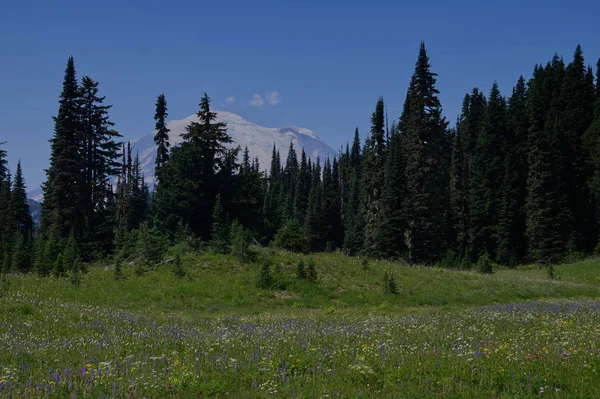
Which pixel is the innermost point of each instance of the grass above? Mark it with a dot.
(213, 333)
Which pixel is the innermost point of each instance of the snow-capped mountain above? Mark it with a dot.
(258, 139)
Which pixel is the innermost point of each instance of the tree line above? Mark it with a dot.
(517, 179)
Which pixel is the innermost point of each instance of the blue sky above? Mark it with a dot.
(328, 60)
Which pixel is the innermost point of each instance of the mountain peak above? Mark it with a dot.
(258, 139)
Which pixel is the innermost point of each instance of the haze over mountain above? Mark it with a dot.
(258, 139)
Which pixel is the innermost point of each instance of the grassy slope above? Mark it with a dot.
(217, 285)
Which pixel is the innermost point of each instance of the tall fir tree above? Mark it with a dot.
(373, 177)
(547, 206)
(423, 130)
(189, 181)
(575, 115)
(513, 191)
(161, 136)
(288, 184)
(487, 169)
(467, 130)
(390, 226)
(303, 182)
(61, 209)
(100, 153)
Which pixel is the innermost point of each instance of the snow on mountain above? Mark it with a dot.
(258, 139)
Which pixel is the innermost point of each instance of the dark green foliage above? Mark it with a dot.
(354, 226)
(513, 190)
(484, 264)
(178, 266)
(240, 240)
(220, 229)
(312, 271)
(316, 230)
(390, 222)
(19, 208)
(292, 237)
(575, 113)
(301, 273)
(21, 258)
(150, 245)
(550, 272)
(487, 169)
(547, 202)
(118, 275)
(161, 137)
(514, 181)
(423, 130)
(5, 265)
(389, 284)
(59, 268)
(265, 280)
(189, 182)
(302, 190)
(61, 211)
(75, 272)
(365, 264)
(373, 179)
(468, 127)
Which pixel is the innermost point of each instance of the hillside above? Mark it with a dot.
(213, 333)
(217, 285)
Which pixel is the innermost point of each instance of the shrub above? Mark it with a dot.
(178, 266)
(312, 271)
(484, 264)
(301, 271)
(292, 237)
(265, 280)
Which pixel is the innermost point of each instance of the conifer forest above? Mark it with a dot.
(514, 180)
(425, 258)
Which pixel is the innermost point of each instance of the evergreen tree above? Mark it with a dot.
(189, 181)
(292, 236)
(220, 228)
(315, 229)
(21, 224)
(271, 209)
(468, 127)
(100, 153)
(61, 209)
(178, 266)
(513, 189)
(575, 115)
(423, 129)
(546, 207)
(265, 280)
(389, 225)
(59, 269)
(312, 271)
(301, 271)
(373, 178)
(302, 191)
(21, 261)
(3, 163)
(240, 240)
(161, 137)
(5, 233)
(487, 170)
(288, 184)
(484, 264)
(354, 227)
